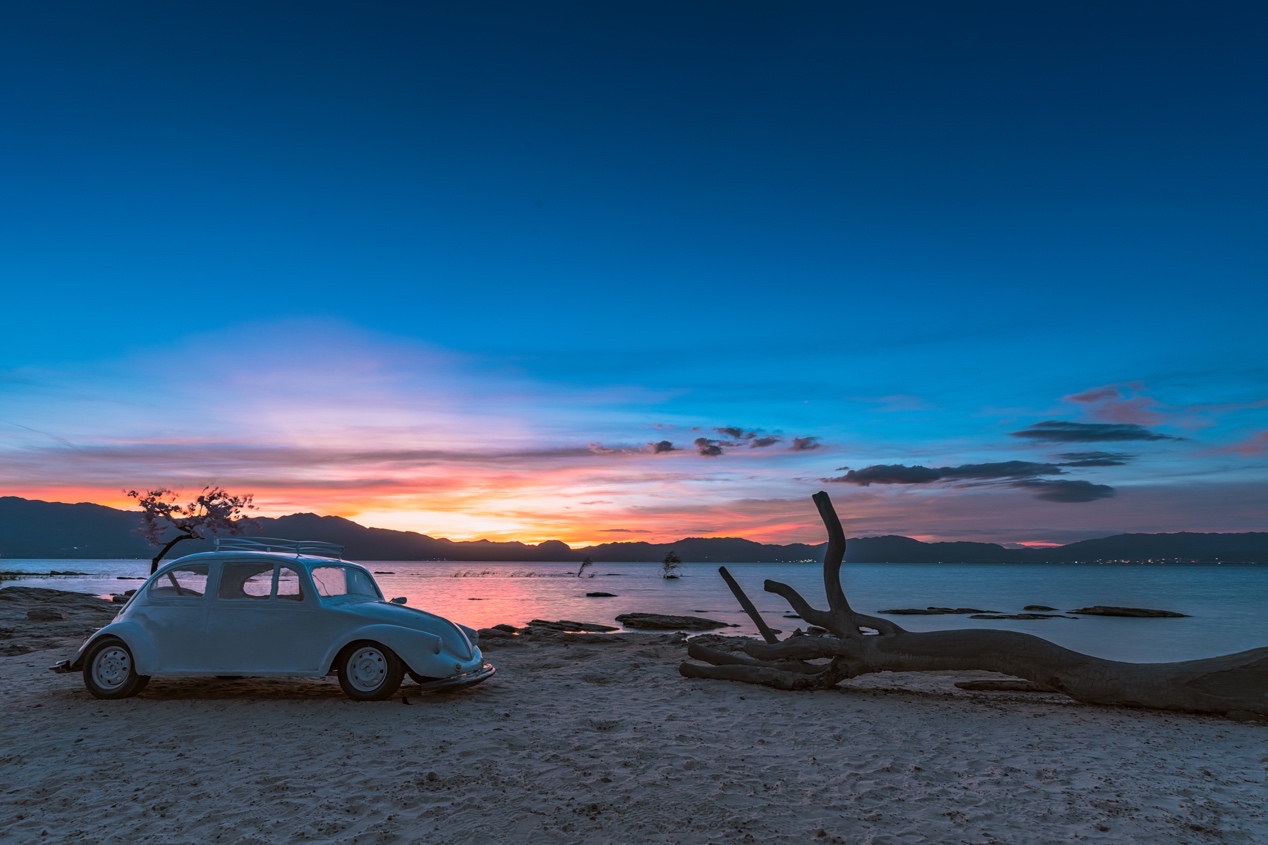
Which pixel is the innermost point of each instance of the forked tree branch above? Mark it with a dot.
(1234, 685)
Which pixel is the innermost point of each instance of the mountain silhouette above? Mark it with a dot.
(35, 529)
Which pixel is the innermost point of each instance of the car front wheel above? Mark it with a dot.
(370, 672)
(109, 671)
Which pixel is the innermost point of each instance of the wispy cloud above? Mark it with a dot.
(1094, 459)
(1061, 490)
(895, 403)
(805, 444)
(1125, 403)
(1251, 447)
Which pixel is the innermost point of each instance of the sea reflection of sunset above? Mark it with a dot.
(1223, 602)
(1223, 616)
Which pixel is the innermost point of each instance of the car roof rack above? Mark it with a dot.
(317, 548)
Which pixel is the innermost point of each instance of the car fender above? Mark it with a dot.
(416, 649)
(143, 655)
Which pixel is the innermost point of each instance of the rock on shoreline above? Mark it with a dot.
(35, 618)
(1134, 612)
(933, 611)
(662, 622)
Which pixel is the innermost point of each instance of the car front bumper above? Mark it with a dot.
(459, 681)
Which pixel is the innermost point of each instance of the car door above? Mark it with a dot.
(174, 617)
(260, 619)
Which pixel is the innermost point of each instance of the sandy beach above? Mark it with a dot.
(597, 739)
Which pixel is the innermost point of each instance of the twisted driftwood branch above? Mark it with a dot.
(1234, 685)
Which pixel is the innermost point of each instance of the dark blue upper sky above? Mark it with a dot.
(744, 208)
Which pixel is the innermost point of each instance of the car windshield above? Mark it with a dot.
(345, 583)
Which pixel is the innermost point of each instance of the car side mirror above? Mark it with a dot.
(399, 600)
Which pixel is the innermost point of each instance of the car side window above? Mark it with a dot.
(289, 587)
(184, 582)
(330, 581)
(245, 580)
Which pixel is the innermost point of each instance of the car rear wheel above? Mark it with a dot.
(370, 672)
(109, 671)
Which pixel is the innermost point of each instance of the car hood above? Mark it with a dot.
(420, 620)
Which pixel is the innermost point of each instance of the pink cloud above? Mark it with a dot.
(1251, 447)
(1096, 394)
(1120, 404)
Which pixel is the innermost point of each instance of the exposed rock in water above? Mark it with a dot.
(933, 611)
(1038, 607)
(661, 622)
(600, 595)
(1020, 616)
(1135, 612)
(569, 625)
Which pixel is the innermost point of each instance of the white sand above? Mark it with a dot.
(595, 740)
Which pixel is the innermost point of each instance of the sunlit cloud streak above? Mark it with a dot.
(324, 418)
(394, 435)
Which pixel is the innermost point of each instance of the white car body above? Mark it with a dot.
(275, 608)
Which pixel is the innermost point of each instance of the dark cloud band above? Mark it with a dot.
(1058, 431)
(900, 474)
(1021, 474)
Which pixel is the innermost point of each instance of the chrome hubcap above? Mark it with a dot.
(111, 667)
(367, 668)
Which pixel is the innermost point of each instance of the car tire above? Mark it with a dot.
(110, 672)
(370, 672)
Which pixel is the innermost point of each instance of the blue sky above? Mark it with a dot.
(454, 268)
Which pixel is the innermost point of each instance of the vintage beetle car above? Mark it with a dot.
(269, 607)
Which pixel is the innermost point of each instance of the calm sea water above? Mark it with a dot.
(1226, 603)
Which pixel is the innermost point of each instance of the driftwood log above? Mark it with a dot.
(1233, 685)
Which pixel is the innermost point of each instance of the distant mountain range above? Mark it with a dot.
(35, 529)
